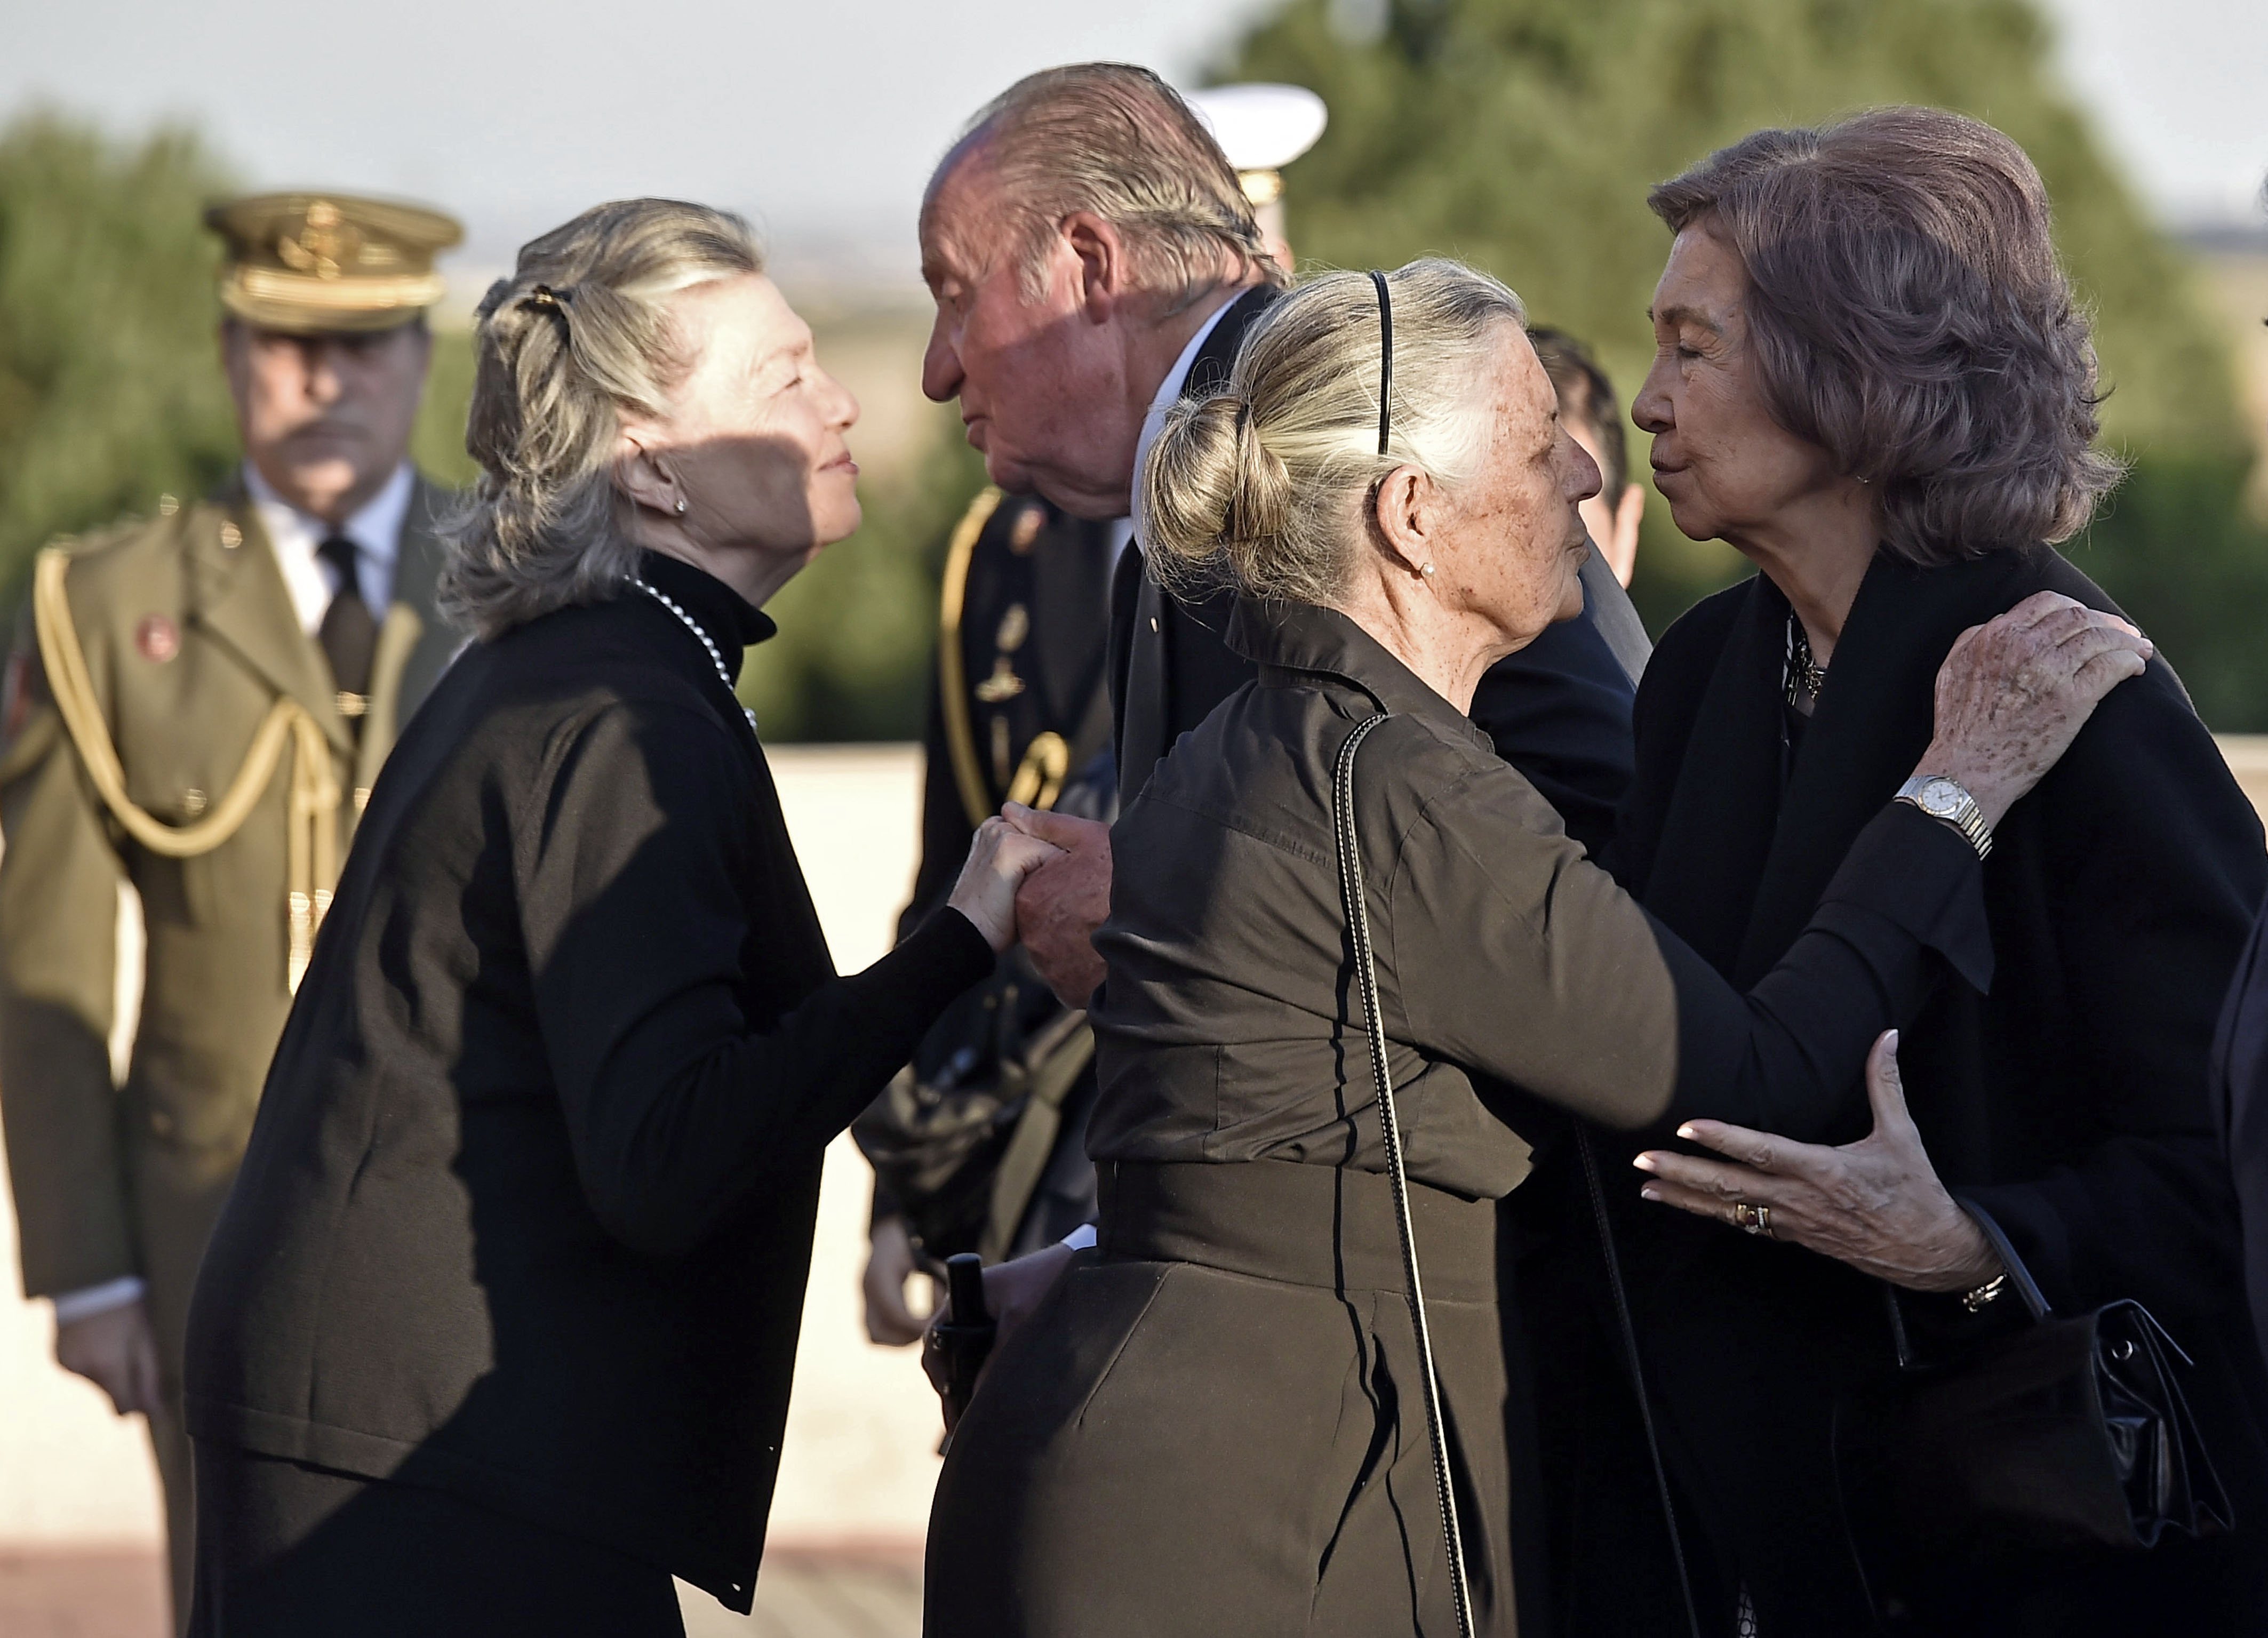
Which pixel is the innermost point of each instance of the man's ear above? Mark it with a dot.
(1103, 286)
(1401, 517)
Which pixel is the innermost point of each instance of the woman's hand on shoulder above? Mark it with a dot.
(999, 858)
(2014, 692)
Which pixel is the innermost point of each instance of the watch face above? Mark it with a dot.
(1941, 798)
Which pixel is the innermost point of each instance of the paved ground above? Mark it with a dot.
(818, 1595)
(846, 1594)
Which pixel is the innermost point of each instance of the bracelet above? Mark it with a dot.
(1974, 1301)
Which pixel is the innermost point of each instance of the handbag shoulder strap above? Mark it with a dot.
(1355, 901)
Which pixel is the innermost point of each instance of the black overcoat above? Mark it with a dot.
(2068, 1100)
(527, 1211)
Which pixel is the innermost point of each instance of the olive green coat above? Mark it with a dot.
(190, 636)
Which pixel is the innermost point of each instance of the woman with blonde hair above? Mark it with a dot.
(495, 1332)
(1345, 991)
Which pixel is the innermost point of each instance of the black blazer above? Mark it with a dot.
(528, 1210)
(2067, 1098)
(1559, 710)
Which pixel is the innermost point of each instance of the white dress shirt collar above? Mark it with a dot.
(1153, 422)
(376, 531)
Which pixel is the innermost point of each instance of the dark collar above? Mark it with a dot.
(1209, 370)
(1295, 640)
(731, 620)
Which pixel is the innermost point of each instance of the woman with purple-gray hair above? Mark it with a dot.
(1874, 379)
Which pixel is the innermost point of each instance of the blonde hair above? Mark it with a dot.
(1118, 141)
(1255, 485)
(578, 333)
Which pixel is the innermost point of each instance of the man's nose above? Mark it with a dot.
(941, 371)
(322, 380)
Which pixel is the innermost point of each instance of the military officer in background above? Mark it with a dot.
(987, 1131)
(199, 709)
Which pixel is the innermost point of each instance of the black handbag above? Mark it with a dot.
(960, 1137)
(2069, 1434)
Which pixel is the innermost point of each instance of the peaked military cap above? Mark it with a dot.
(309, 262)
(1262, 128)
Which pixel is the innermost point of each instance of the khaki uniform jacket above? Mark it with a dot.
(190, 636)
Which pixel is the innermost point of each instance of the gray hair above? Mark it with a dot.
(578, 333)
(1258, 485)
(1118, 141)
(1910, 316)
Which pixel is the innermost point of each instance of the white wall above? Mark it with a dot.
(859, 1461)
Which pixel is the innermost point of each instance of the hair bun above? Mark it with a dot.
(1211, 484)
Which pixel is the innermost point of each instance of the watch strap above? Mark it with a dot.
(1967, 817)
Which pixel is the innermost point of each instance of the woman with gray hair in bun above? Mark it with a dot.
(496, 1333)
(1234, 1413)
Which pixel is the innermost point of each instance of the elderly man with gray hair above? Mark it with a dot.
(1093, 259)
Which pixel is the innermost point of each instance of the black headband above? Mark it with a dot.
(1385, 360)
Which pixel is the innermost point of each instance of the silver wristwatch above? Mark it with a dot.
(1942, 798)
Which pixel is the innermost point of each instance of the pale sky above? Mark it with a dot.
(823, 118)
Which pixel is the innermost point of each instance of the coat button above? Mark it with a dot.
(193, 802)
(1153, 622)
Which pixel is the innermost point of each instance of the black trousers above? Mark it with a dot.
(284, 1550)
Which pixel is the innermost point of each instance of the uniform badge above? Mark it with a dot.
(158, 638)
(1025, 529)
(1015, 626)
(1002, 685)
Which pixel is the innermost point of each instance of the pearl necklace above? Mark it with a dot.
(692, 625)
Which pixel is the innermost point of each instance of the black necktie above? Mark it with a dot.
(348, 634)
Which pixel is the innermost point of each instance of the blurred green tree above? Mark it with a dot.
(110, 388)
(1522, 135)
(437, 443)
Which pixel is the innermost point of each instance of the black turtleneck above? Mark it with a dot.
(528, 1210)
(733, 624)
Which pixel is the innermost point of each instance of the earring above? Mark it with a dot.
(681, 507)
(1427, 570)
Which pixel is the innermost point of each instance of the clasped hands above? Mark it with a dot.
(1877, 1204)
(1042, 880)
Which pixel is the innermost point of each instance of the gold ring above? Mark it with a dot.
(1752, 1219)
